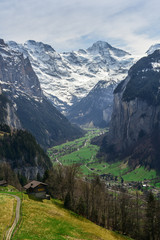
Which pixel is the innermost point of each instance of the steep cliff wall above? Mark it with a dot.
(131, 120)
(8, 113)
(135, 123)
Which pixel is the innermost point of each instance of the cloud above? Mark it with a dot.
(73, 24)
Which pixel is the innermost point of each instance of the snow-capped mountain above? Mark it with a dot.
(22, 97)
(68, 77)
(153, 48)
(16, 74)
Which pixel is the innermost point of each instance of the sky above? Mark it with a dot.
(73, 24)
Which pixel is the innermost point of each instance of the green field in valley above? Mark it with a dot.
(82, 152)
(140, 174)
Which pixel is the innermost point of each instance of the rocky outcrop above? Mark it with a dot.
(135, 122)
(11, 117)
(8, 113)
(30, 172)
(96, 108)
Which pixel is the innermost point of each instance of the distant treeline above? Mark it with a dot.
(131, 215)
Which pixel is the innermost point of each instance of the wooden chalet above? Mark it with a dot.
(37, 189)
(3, 183)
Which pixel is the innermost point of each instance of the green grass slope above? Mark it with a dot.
(7, 210)
(48, 220)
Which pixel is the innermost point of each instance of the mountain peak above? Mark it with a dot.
(2, 42)
(40, 45)
(153, 48)
(99, 45)
(106, 50)
(102, 44)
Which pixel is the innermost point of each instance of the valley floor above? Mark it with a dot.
(82, 152)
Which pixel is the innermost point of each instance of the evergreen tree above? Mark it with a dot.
(150, 218)
(67, 201)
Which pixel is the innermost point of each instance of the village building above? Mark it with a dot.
(3, 183)
(37, 189)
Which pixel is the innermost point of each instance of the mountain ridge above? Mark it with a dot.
(69, 76)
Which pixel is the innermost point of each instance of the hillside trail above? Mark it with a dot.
(17, 216)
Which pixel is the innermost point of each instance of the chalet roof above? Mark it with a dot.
(3, 182)
(34, 184)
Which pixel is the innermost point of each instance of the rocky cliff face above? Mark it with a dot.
(130, 120)
(96, 108)
(8, 113)
(135, 123)
(11, 118)
(31, 172)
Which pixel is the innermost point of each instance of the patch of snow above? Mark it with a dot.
(156, 66)
(153, 48)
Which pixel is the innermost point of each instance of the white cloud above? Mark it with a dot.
(73, 24)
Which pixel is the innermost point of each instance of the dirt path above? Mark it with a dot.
(58, 161)
(88, 168)
(11, 229)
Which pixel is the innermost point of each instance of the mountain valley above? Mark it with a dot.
(94, 171)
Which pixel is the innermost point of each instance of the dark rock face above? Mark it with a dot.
(8, 113)
(21, 86)
(96, 108)
(135, 123)
(2, 43)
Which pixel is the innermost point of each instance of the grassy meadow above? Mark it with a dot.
(80, 151)
(7, 213)
(48, 220)
(140, 174)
